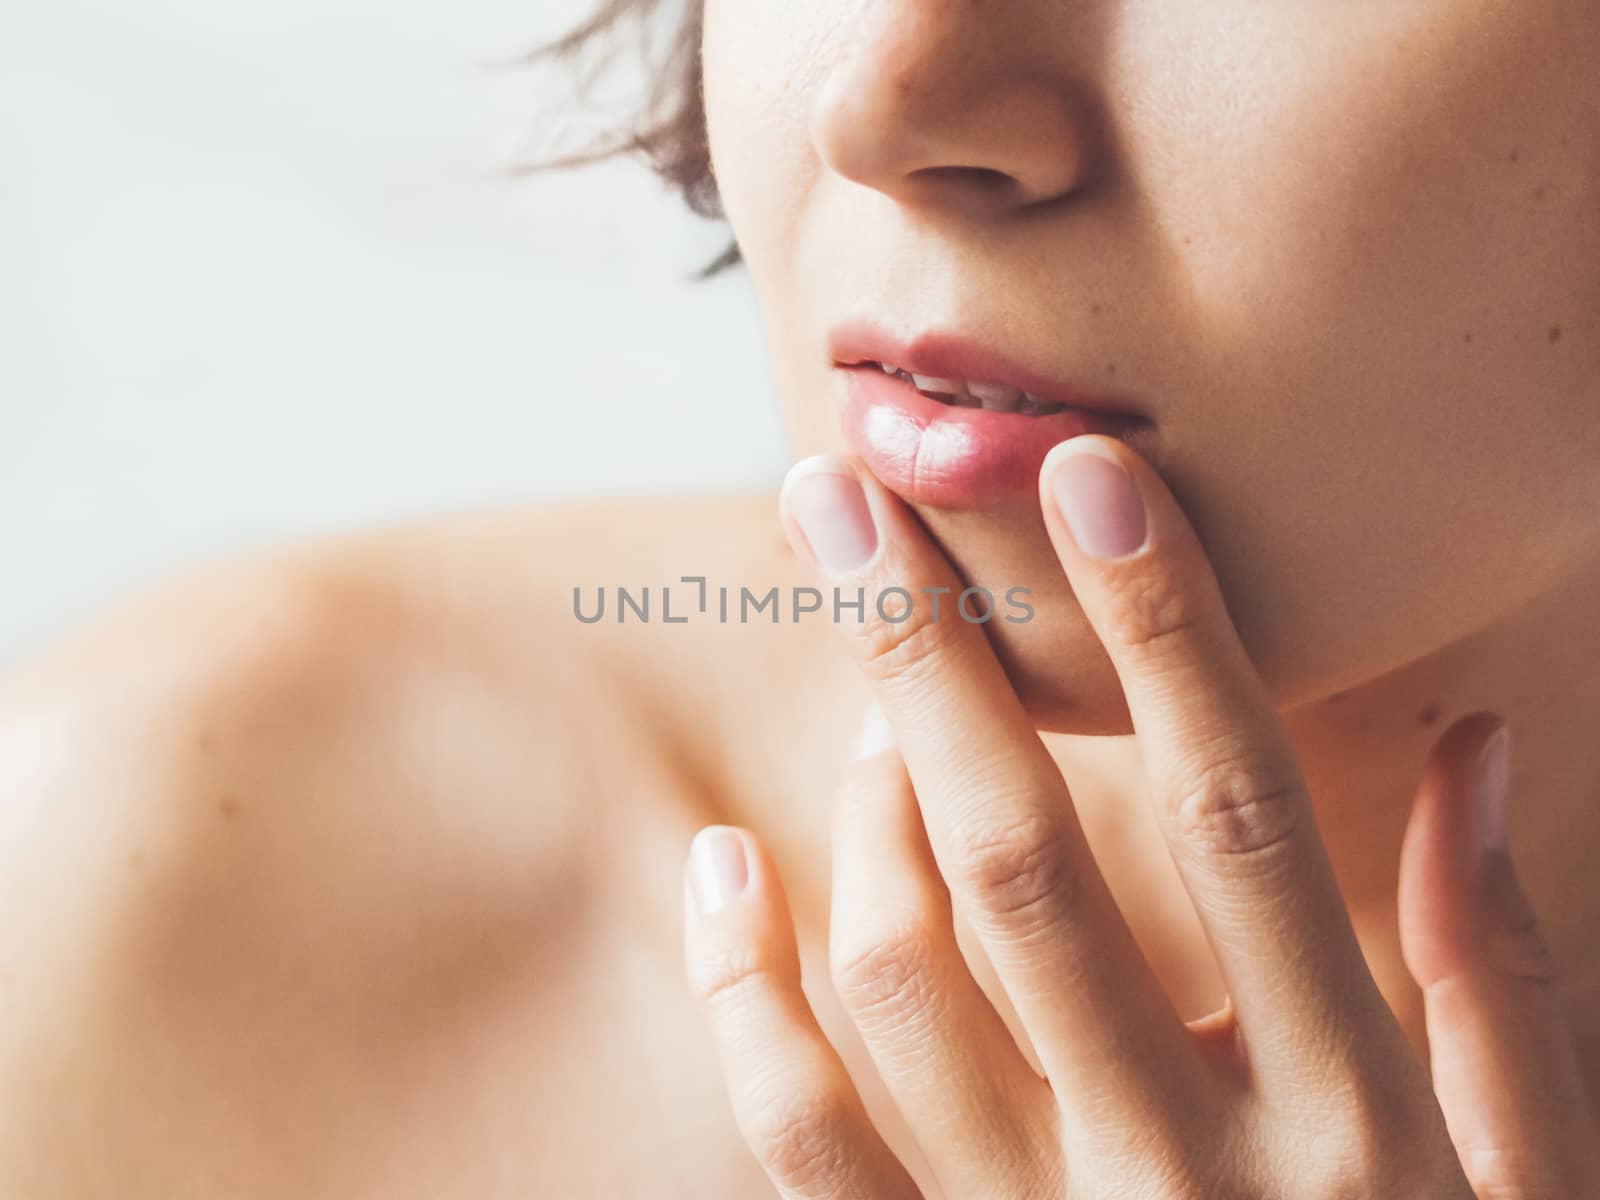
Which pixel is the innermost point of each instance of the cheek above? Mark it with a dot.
(763, 60)
(1410, 197)
(1406, 177)
(759, 60)
(1374, 224)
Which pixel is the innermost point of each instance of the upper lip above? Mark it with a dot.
(948, 354)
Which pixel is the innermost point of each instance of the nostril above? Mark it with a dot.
(984, 177)
(978, 190)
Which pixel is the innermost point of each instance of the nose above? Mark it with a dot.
(947, 105)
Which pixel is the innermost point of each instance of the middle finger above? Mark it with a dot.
(1230, 795)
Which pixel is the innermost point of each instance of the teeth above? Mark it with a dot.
(996, 397)
(1035, 407)
(961, 393)
(946, 387)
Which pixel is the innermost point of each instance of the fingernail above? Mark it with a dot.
(1491, 785)
(826, 500)
(875, 735)
(717, 870)
(1099, 499)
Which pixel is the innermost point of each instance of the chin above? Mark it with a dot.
(1054, 659)
(1059, 669)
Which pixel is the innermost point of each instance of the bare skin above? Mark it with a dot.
(1290, 236)
(354, 870)
(348, 904)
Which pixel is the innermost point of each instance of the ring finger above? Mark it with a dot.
(984, 1120)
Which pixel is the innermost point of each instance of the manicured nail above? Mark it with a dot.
(717, 870)
(1099, 499)
(825, 499)
(875, 735)
(1491, 786)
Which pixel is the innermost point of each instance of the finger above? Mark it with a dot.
(997, 812)
(1228, 789)
(984, 1120)
(1504, 1066)
(793, 1100)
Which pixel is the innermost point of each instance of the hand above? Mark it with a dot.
(1302, 1086)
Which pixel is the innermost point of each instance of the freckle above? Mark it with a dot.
(1111, 368)
(1188, 241)
(1095, 309)
(1468, 336)
(1538, 193)
(228, 806)
(1337, 696)
(1429, 715)
(1516, 153)
(1555, 334)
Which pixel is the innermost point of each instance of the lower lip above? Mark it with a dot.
(948, 457)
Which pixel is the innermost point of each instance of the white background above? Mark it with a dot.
(263, 274)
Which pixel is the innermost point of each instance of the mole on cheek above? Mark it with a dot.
(1468, 336)
(1555, 334)
(1429, 715)
(1516, 153)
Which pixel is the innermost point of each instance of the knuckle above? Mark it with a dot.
(1373, 1142)
(1157, 1155)
(888, 975)
(798, 1129)
(726, 977)
(1236, 811)
(909, 646)
(1148, 612)
(1015, 869)
(1180, 1179)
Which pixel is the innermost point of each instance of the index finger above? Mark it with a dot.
(999, 818)
(1232, 800)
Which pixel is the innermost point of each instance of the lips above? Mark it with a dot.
(976, 430)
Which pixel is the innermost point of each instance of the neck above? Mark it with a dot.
(1362, 753)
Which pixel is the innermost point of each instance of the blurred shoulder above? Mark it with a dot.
(254, 801)
(291, 617)
(540, 589)
(436, 653)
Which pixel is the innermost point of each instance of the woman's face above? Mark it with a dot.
(1345, 256)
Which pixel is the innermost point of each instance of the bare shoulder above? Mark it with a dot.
(294, 645)
(276, 817)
